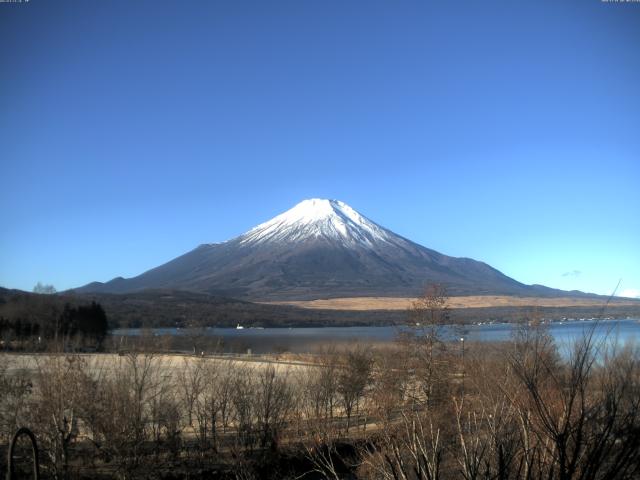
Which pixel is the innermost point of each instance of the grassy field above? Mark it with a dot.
(399, 303)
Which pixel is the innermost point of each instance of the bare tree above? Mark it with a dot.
(56, 408)
(390, 383)
(16, 387)
(190, 381)
(317, 396)
(44, 289)
(122, 409)
(321, 449)
(242, 393)
(582, 420)
(427, 315)
(225, 387)
(409, 449)
(212, 399)
(353, 379)
(327, 381)
(273, 401)
(164, 412)
(488, 440)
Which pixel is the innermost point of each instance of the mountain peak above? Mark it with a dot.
(318, 249)
(316, 219)
(314, 209)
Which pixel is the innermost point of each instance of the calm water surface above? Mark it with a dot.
(310, 339)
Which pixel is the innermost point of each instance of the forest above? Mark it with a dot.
(175, 308)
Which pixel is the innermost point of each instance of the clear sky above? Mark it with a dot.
(509, 132)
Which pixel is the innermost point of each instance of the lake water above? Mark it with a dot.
(311, 339)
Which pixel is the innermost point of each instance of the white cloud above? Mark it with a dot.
(572, 273)
(630, 293)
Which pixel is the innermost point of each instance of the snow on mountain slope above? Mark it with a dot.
(319, 218)
(318, 249)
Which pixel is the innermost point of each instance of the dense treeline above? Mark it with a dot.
(422, 409)
(89, 321)
(29, 321)
(188, 309)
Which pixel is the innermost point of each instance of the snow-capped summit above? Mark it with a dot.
(318, 218)
(318, 249)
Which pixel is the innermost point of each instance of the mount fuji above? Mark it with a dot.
(319, 249)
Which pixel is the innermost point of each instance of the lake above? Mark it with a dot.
(267, 340)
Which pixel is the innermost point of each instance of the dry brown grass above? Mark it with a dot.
(171, 363)
(478, 301)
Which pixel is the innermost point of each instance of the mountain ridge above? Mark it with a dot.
(320, 249)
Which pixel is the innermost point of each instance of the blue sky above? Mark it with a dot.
(131, 132)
